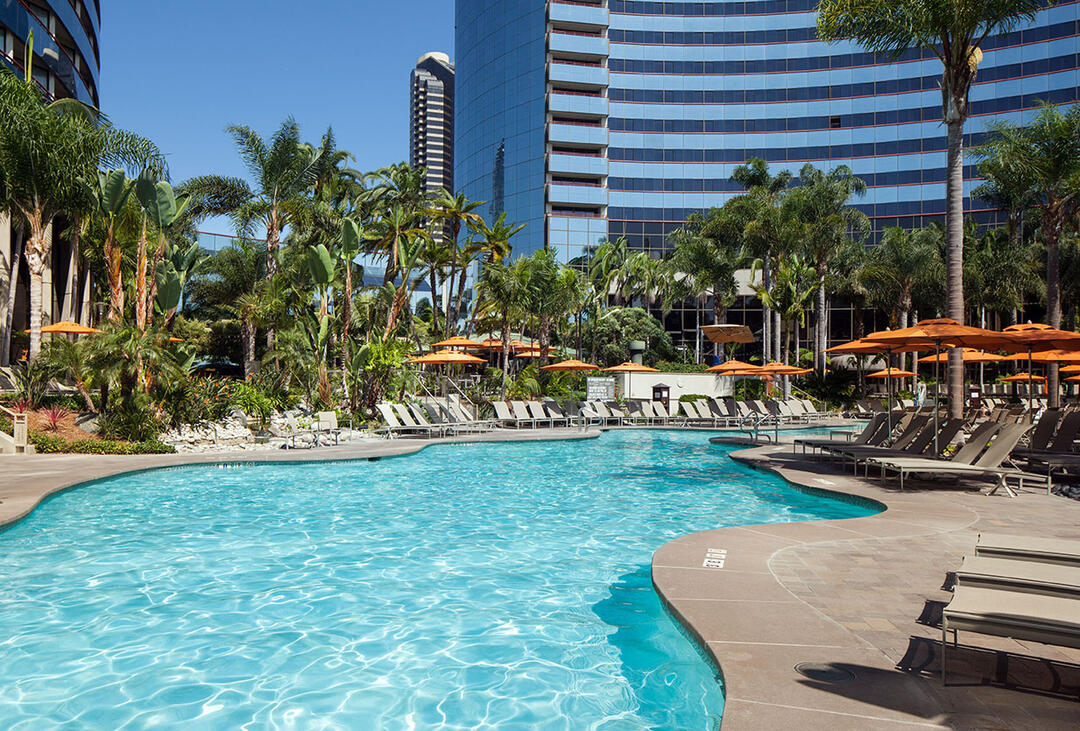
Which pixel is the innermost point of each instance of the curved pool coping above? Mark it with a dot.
(745, 617)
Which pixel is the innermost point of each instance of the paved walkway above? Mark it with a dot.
(865, 595)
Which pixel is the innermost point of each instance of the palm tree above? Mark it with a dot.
(110, 194)
(283, 170)
(762, 232)
(704, 257)
(820, 204)
(952, 30)
(791, 295)
(902, 263)
(1049, 150)
(233, 280)
(1000, 276)
(455, 211)
(505, 293)
(48, 154)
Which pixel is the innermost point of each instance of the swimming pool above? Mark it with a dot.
(483, 585)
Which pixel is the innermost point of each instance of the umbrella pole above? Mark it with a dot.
(937, 392)
(1029, 379)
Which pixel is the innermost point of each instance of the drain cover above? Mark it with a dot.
(824, 672)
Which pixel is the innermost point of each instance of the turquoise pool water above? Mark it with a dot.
(488, 585)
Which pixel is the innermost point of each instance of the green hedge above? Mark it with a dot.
(46, 444)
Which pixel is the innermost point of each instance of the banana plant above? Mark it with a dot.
(409, 255)
(172, 276)
(163, 208)
(110, 192)
(353, 236)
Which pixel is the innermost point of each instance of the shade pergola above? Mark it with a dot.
(458, 342)
(570, 365)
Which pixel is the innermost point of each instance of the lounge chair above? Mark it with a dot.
(617, 411)
(421, 418)
(536, 412)
(636, 414)
(1026, 548)
(872, 433)
(521, 413)
(503, 415)
(392, 425)
(914, 442)
(559, 413)
(1035, 577)
(1046, 441)
(602, 412)
(292, 431)
(1020, 615)
(326, 423)
(987, 465)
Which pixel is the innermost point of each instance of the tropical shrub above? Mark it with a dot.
(131, 421)
(252, 402)
(31, 382)
(53, 416)
(48, 444)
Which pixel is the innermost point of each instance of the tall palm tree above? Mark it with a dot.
(1049, 150)
(820, 204)
(506, 290)
(953, 31)
(283, 169)
(454, 212)
(902, 263)
(704, 257)
(49, 153)
(762, 233)
(1000, 275)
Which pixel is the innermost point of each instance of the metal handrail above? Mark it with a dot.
(586, 411)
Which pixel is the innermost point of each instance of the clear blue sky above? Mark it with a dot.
(178, 73)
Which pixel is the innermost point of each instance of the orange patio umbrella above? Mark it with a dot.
(1048, 356)
(490, 344)
(457, 342)
(68, 328)
(1073, 378)
(731, 365)
(1024, 378)
(892, 373)
(782, 369)
(971, 355)
(1071, 369)
(446, 357)
(630, 367)
(570, 365)
(529, 354)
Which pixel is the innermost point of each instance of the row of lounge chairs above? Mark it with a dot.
(429, 419)
(1001, 449)
(439, 418)
(1022, 588)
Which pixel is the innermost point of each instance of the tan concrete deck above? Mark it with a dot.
(865, 594)
(25, 480)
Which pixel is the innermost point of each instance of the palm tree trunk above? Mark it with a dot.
(13, 287)
(1051, 234)
(433, 283)
(273, 241)
(767, 353)
(140, 282)
(115, 256)
(954, 255)
(247, 332)
(505, 336)
(819, 324)
(38, 247)
(459, 300)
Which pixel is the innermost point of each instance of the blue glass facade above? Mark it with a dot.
(499, 136)
(66, 61)
(636, 112)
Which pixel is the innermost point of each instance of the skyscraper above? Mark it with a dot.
(431, 119)
(620, 117)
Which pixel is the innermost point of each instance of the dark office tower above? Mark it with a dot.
(431, 119)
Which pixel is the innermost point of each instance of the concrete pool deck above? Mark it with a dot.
(865, 595)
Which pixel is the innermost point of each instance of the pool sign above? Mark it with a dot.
(714, 558)
(600, 388)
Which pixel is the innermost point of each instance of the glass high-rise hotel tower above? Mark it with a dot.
(604, 118)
